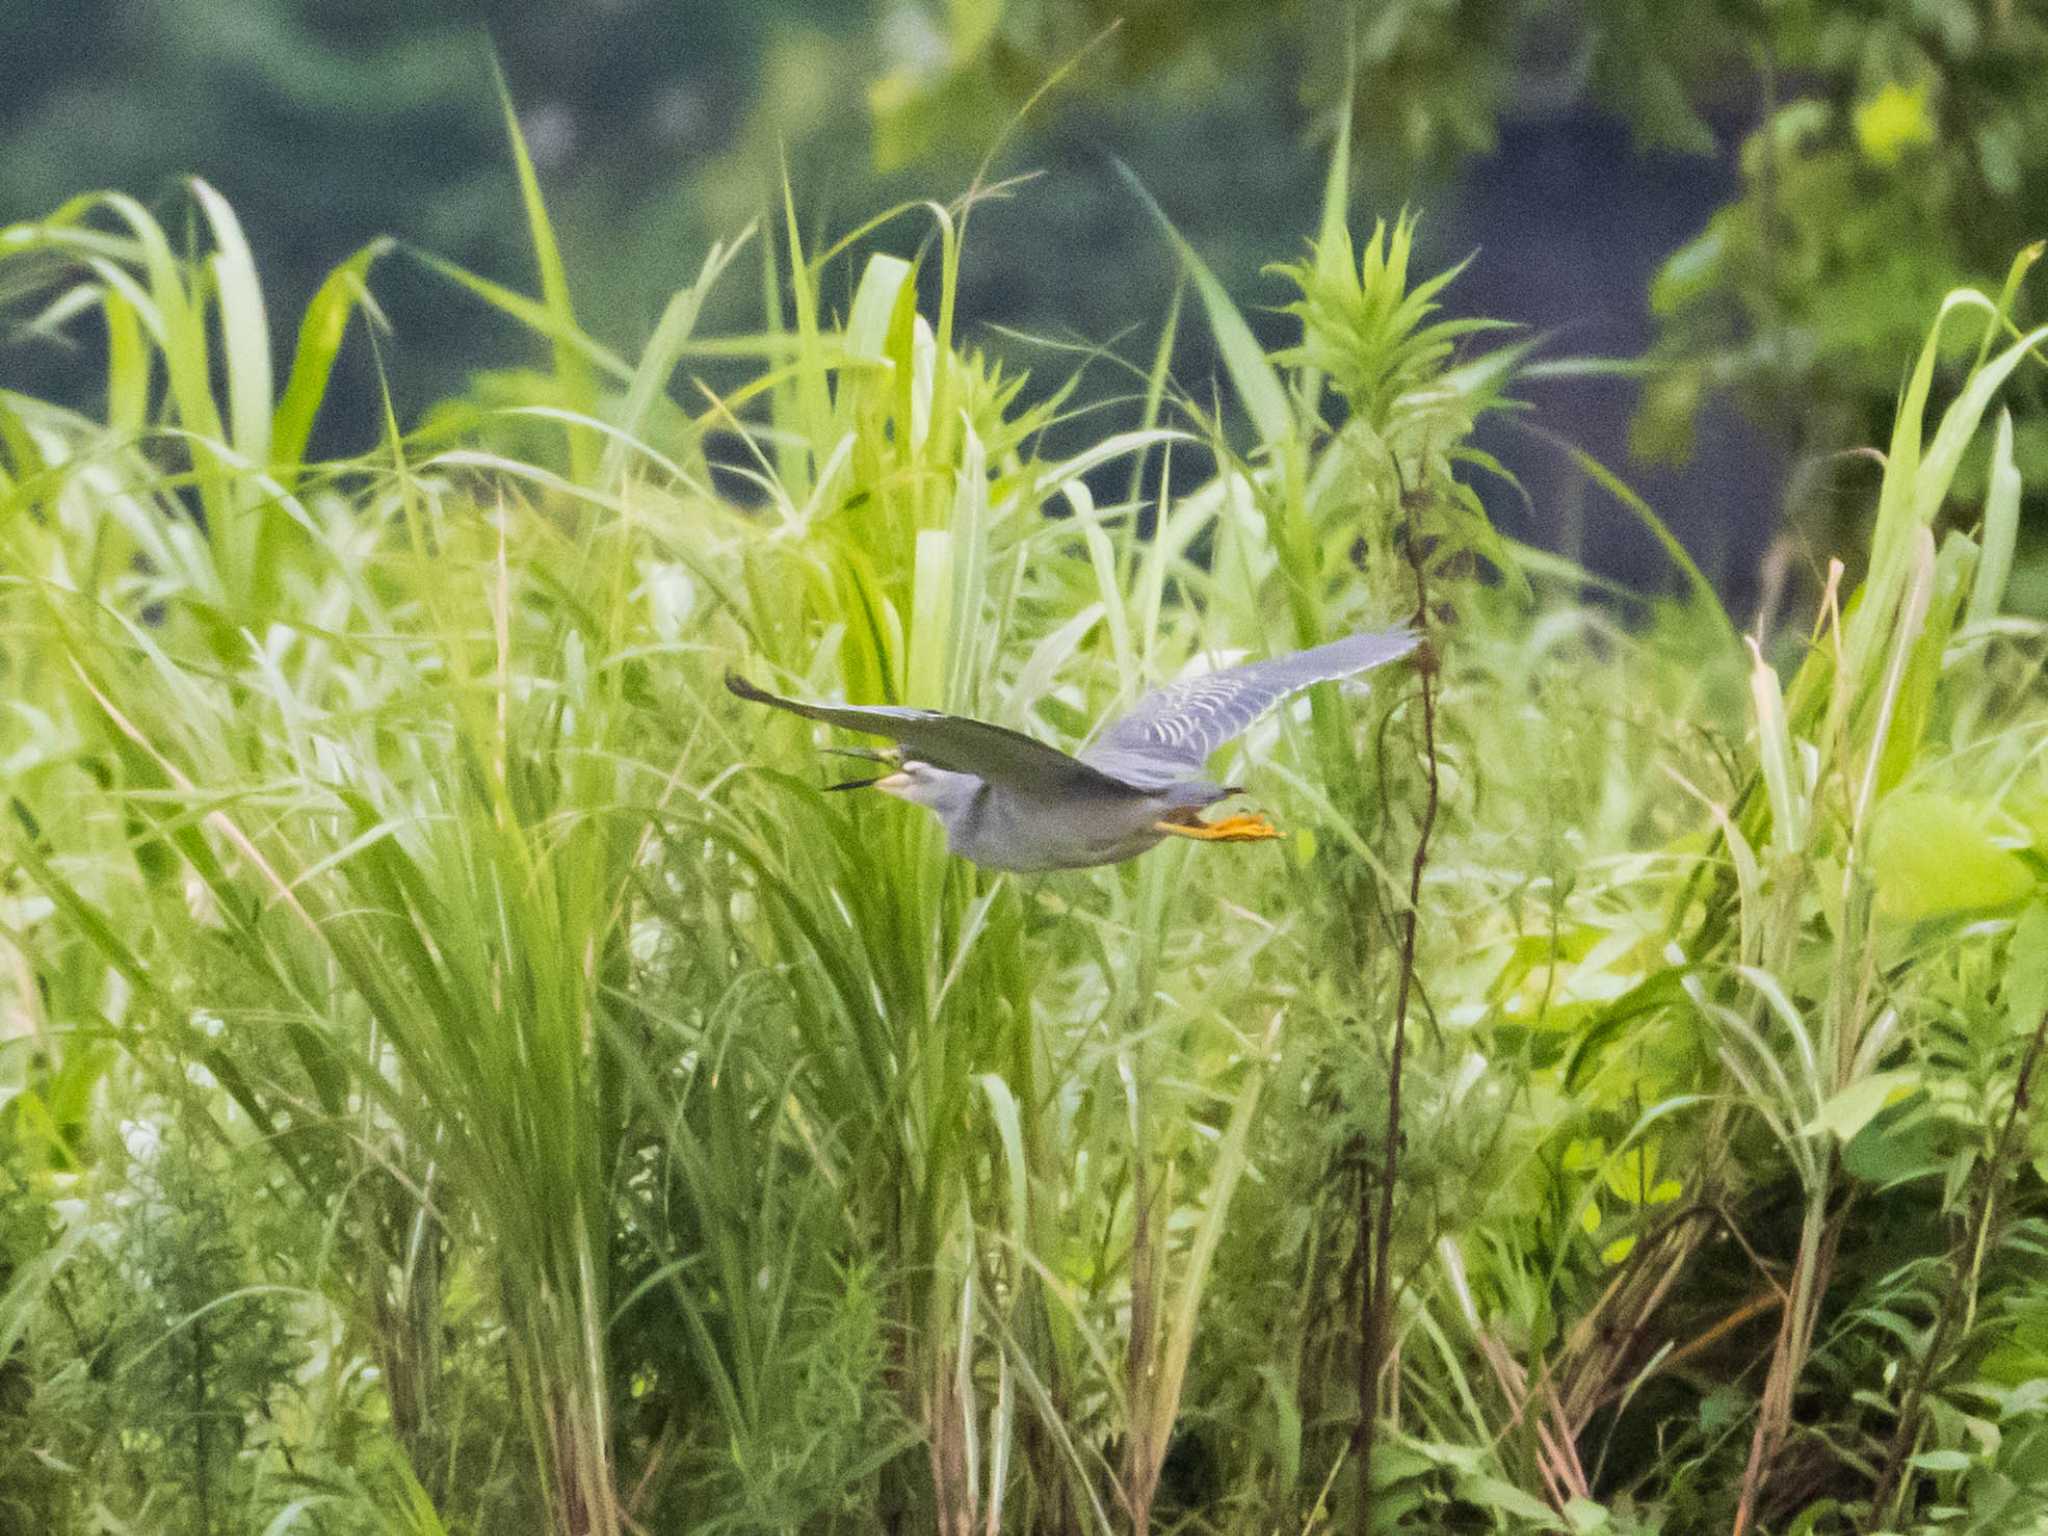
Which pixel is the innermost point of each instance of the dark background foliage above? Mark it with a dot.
(1578, 148)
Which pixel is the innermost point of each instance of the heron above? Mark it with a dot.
(1011, 802)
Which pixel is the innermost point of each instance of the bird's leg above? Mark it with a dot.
(1242, 828)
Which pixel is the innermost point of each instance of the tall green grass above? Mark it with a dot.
(645, 1140)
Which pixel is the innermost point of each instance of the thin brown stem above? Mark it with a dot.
(1376, 1228)
(1819, 1239)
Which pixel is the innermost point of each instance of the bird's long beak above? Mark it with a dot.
(889, 755)
(888, 784)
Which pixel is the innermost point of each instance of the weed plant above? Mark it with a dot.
(461, 1074)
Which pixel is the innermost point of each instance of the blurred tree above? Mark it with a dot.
(1910, 156)
(1900, 150)
(1903, 149)
(1432, 78)
(327, 122)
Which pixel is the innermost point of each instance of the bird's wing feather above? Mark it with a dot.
(954, 742)
(1169, 733)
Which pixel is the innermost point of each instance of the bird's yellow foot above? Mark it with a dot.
(1231, 829)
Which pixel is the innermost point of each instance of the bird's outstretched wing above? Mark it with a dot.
(953, 742)
(1170, 733)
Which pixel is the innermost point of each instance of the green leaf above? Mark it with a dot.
(1782, 781)
(873, 315)
(1588, 1518)
(1847, 1112)
(2026, 970)
(1943, 1461)
(1902, 1141)
(572, 367)
(320, 335)
(1492, 1493)
(1922, 672)
(2001, 528)
(658, 360)
(1930, 855)
(245, 334)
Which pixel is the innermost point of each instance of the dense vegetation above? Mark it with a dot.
(461, 1075)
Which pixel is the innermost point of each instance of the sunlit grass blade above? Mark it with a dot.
(2001, 528)
(812, 400)
(320, 336)
(245, 333)
(572, 370)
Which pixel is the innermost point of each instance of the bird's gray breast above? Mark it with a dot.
(1008, 828)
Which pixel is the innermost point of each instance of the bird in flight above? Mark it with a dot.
(1009, 801)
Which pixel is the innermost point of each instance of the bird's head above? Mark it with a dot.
(936, 789)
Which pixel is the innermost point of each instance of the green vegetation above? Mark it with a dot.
(461, 1075)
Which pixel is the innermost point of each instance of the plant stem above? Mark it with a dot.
(1376, 1228)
